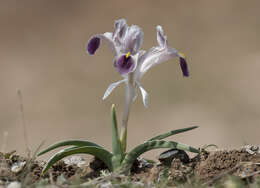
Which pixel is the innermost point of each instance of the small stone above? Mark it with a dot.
(251, 149)
(18, 167)
(167, 156)
(141, 164)
(97, 164)
(254, 148)
(139, 184)
(14, 184)
(144, 163)
(106, 185)
(2, 183)
(76, 160)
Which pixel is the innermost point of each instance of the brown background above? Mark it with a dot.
(42, 52)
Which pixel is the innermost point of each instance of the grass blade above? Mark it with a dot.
(98, 152)
(116, 144)
(79, 143)
(150, 145)
(173, 132)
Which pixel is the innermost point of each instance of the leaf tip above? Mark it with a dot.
(44, 170)
(40, 153)
(113, 107)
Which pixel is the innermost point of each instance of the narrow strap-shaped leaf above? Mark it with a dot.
(78, 143)
(116, 144)
(155, 144)
(98, 152)
(173, 132)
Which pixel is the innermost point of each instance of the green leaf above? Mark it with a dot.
(116, 144)
(150, 145)
(78, 143)
(173, 132)
(98, 152)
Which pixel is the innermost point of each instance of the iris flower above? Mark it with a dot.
(132, 62)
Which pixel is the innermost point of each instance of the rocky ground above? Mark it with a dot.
(209, 168)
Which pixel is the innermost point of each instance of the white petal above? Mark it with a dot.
(161, 38)
(145, 95)
(108, 38)
(133, 39)
(155, 56)
(120, 30)
(111, 87)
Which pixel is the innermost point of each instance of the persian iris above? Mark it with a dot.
(132, 62)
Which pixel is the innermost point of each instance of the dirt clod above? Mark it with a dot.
(97, 164)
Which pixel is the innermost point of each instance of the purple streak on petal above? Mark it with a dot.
(184, 67)
(124, 65)
(133, 39)
(93, 45)
(120, 29)
(161, 38)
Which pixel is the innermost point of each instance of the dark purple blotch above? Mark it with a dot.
(124, 64)
(184, 67)
(93, 45)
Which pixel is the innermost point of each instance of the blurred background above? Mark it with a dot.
(42, 53)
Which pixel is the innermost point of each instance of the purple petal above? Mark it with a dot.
(184, 67)
(93, 45)
(124, 64)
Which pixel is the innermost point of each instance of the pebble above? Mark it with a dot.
(167, 156)
(14, 184)
(17, 167)
(106, 185)
(251, 149)
(76, 160)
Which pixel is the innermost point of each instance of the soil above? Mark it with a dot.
(209, 167)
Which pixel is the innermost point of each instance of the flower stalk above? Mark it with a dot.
(130, 93)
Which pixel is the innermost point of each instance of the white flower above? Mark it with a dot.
(131, 62)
